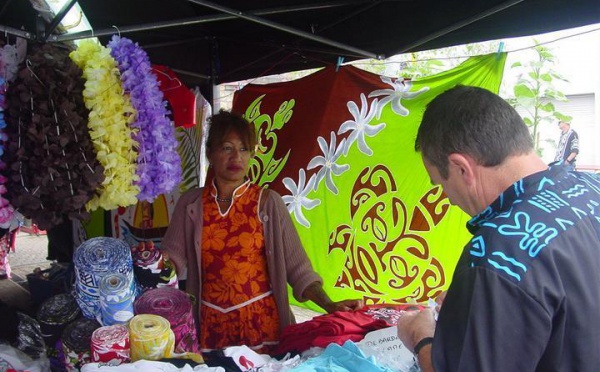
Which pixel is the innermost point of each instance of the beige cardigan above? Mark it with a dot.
(287, 261)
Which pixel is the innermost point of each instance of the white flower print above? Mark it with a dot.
(401, 91)
(298, 199)
(329, 167)
(360, 125)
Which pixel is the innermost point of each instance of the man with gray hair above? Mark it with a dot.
(525, 291)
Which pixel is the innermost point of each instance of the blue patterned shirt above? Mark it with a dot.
(526, 291)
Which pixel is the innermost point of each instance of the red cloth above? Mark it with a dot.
(180, 98)
(325, 329)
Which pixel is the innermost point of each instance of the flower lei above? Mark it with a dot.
(111, 114)
(6, 210)
(158, 163)
(9, 64)
(53, 171)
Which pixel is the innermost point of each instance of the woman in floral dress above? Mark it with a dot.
(237, 246)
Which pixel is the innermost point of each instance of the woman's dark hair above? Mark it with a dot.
(473, 121)
(223, 123)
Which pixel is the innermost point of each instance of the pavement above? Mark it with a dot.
(30, 253)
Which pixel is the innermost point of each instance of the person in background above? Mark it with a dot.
(568, 145)
(237, 246)
(524, 296)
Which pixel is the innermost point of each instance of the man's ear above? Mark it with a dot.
(464, 167)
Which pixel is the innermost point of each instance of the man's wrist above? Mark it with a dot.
(421, 344)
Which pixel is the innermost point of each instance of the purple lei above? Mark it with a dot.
(158, 163)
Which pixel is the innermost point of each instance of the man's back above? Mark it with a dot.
(525, 295)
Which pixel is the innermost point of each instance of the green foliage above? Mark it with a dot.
(535, 92)
(429, 62)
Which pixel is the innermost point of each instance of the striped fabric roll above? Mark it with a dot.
(54, 314)
(176, 306)
(76, 343)
(117, 293)
(94, 259)
(110, 343)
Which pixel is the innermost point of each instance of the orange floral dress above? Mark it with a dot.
(238, 307)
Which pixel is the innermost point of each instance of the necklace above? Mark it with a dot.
(223, 200)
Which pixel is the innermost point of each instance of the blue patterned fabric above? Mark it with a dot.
(117, 293)
(94, 259)
(530, 215)
(525, 293)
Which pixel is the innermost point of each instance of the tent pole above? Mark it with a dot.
(16, 32)
(58, 18)
(252, 18)
(459, 25)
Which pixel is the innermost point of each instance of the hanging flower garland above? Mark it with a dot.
(158, 163)
(53, 171)
(10, 56)
(111, 114)
(6, 210)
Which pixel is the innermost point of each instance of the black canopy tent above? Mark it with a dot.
(210, 43)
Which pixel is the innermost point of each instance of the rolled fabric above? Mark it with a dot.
(54, 314)
(151, 338)
(94, 259)
(110, 343)
(117, 293)
(76, 342)
(152, 270)
(175, 306)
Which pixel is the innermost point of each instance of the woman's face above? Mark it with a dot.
(230, 159)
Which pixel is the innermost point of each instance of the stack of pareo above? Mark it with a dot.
(54, 315)
(175, 306)
(94, 259)
(110, 344)
(117, 293)
(76, 343)
(152, 269)
(151, 338)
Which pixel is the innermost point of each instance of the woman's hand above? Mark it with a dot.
(315, 293)
(344, 305)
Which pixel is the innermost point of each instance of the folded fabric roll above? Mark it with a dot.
(175, 306)
(152, 270)
(325, 329)
(117, 293)
(110, 343)
(94, 259)
(151, 338)
(54, 314)
(76, 343)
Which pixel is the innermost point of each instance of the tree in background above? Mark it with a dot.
(535, 92)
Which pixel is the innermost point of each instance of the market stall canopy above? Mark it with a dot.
(230, 40)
